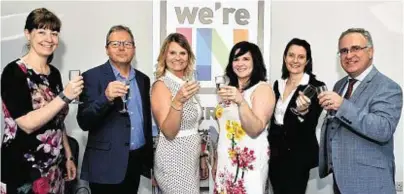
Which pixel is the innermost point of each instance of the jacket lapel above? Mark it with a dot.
(362, 86)
(140, 84)
(108, 73)
(107, 78)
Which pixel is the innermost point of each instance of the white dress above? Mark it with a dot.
(176, 165)
(242, 161)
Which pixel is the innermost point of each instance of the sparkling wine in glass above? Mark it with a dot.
(125, 97)
(309, 91)
(72, 75)
(330, 113)
(221, 80)
(193, 77)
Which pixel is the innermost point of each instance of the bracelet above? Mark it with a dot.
(177, 109)
(64, 98)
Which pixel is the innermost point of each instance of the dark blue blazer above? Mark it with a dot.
(106, 155)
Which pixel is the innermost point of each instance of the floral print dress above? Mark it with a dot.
(31, 163)
(242, 161)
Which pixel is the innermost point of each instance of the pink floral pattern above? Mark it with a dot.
(51, 141)
(227, 185)
(241, 158)
(46, 157)
(10, 126)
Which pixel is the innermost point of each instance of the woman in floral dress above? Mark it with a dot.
(35, 105)
(243, 115)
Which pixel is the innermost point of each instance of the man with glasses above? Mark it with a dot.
(357, 143)
(116, 113)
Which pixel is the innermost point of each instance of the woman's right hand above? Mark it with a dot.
(187, 91)
(74, 88)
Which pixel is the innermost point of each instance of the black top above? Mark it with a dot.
(30, 161)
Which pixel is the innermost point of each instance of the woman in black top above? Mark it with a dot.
(292, 138)
(35, 105)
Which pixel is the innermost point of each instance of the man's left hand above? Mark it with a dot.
(330, 100)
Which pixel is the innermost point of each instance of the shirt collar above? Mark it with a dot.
(304, 81)
(363, 74)
(132, 73)
(282, 82)
(173, 77)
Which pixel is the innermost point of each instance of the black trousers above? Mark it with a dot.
(287, 176)
(130, 184)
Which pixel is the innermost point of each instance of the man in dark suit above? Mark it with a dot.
(357, 143)
(119, 143)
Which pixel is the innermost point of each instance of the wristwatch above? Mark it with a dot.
(70, 158)
(64, 98)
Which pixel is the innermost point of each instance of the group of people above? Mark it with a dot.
(260, 136)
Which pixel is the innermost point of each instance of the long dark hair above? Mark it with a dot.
(259, 71)
(309, 66)
(41, 18)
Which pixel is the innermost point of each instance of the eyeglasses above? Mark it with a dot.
(126, 44)
(353, 49)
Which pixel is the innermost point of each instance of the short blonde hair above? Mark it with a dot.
(161, 60)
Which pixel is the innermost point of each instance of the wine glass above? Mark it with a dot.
(193, 77)
(309, 91)
(125, 97)
(330, 113)
(221, 80)
(72, 75)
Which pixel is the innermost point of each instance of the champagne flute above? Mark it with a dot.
(193, 77)
(309, 91)
(125, 97)
(72, 75)
(221, 80)
(330, 113)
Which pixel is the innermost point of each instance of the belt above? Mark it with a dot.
(183, 133)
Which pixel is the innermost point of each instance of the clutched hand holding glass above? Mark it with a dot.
(303, 101)
(221, 81)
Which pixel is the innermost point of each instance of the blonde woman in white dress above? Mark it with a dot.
(177, 112)
(247, 105)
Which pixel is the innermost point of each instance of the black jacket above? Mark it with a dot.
(295, 137)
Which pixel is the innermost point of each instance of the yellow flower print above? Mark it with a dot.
(229, 127)
(232, 153)
(240, 132)
(235, 124)
(218, 111)
(229, 135)
(234, 130)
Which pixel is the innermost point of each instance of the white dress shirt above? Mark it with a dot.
(282, 104)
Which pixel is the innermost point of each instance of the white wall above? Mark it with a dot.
(85, 24)
(321, 23)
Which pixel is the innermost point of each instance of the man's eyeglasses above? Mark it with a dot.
(126, 44)
(353, 49)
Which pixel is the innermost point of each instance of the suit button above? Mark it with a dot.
(332, 128)
(126, 144)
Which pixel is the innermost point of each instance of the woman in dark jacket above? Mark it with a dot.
(292, 137)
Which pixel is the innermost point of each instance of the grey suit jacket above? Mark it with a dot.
(361, 136)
